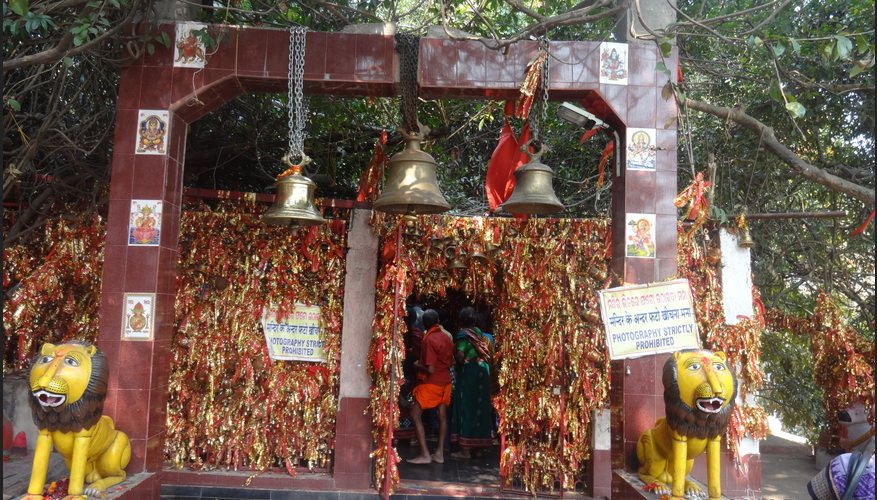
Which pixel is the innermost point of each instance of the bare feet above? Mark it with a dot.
(420, 459)
(438, 457)
(461, 454)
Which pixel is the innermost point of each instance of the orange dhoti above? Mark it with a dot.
(430, 396)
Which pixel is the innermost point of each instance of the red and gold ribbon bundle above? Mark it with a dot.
(229, 404)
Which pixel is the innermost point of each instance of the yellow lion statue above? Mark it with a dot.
(699, 392)
(68, 387)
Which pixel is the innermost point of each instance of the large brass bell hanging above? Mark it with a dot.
(411, 185)
(294, 203)
(533, 193)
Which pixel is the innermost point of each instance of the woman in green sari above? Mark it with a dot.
(472, 423)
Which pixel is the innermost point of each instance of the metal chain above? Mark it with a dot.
(539, 115)
(408, 46)
(298, 103)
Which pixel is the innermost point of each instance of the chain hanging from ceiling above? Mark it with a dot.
(408, 46)
(298, 102)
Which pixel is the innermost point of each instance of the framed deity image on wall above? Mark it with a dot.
(138, 316)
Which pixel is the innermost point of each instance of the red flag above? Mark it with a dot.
(522, 159)
(501, 166)
(371, 177)
(863, 226)
(588, 135)
(607, 152)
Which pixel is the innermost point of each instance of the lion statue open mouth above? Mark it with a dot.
(699, 392)
(68, 388)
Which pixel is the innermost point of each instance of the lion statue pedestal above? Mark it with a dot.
(68, 388)
(699, 392)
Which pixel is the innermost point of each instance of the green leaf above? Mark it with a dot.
(661, 67)
(18, 6)
(862, 43)
(14, 104)
(826, 50)
(856, 70)
(844, 47)
(779, 48)
(754, 41)
(680, 95)
(166, 39)
(795, 46)
(666, 49)
(68, 61)
(150, 48)
(796, 109)
(775, 92)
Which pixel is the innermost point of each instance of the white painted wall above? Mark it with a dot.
(735, 276)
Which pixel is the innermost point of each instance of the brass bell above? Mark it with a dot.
(411, 185)
(294, 204)
(714, 255)
(450, 252)
(436, 246)
(477, 255)
(456, 264)
(598, 273)
(533, 193)
(746, 240)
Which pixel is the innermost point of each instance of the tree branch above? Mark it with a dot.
(785, 154)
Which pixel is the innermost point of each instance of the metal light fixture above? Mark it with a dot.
(581, 118)
(294, 204)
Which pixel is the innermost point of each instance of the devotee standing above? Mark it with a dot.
(434, 369)
(472, 423)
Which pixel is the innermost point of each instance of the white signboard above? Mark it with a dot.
(297, 336)
(648, 319)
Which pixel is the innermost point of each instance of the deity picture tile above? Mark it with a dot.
(152, 132)
(641, 149)
(640, 235)
(613, 63)
(138, 319)
(188, 48)
(144, 226)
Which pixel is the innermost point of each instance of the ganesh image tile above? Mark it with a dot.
(144, 226)
(613, 63)
(152, 132)
(188, 48)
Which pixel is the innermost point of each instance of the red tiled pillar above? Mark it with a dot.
(137, 394)
(637, 392)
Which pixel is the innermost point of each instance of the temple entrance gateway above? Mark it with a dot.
(524, 304)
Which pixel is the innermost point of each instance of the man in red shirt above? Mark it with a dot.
(434, 371)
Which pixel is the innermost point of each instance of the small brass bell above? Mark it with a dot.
(436, 246)
(411, 183)
(294, 204)
(434, 273)
(598, 273)
(714, 255)
(533, 193)
(746, 240)
(456, 264)
(478, 256)
(450, 252)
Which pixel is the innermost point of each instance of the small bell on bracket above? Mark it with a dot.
(533, 193)
(411, 185)
(294, 203)
(746, 240)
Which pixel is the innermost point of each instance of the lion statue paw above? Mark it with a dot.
(693, 490)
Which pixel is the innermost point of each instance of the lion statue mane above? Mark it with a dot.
(82, 413)
(682, 418)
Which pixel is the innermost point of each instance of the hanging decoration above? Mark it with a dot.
(294, 203)
(549, 267)
(369, 182)
(52, 286)
(229, 404)
(843, 361)
(694, 197)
